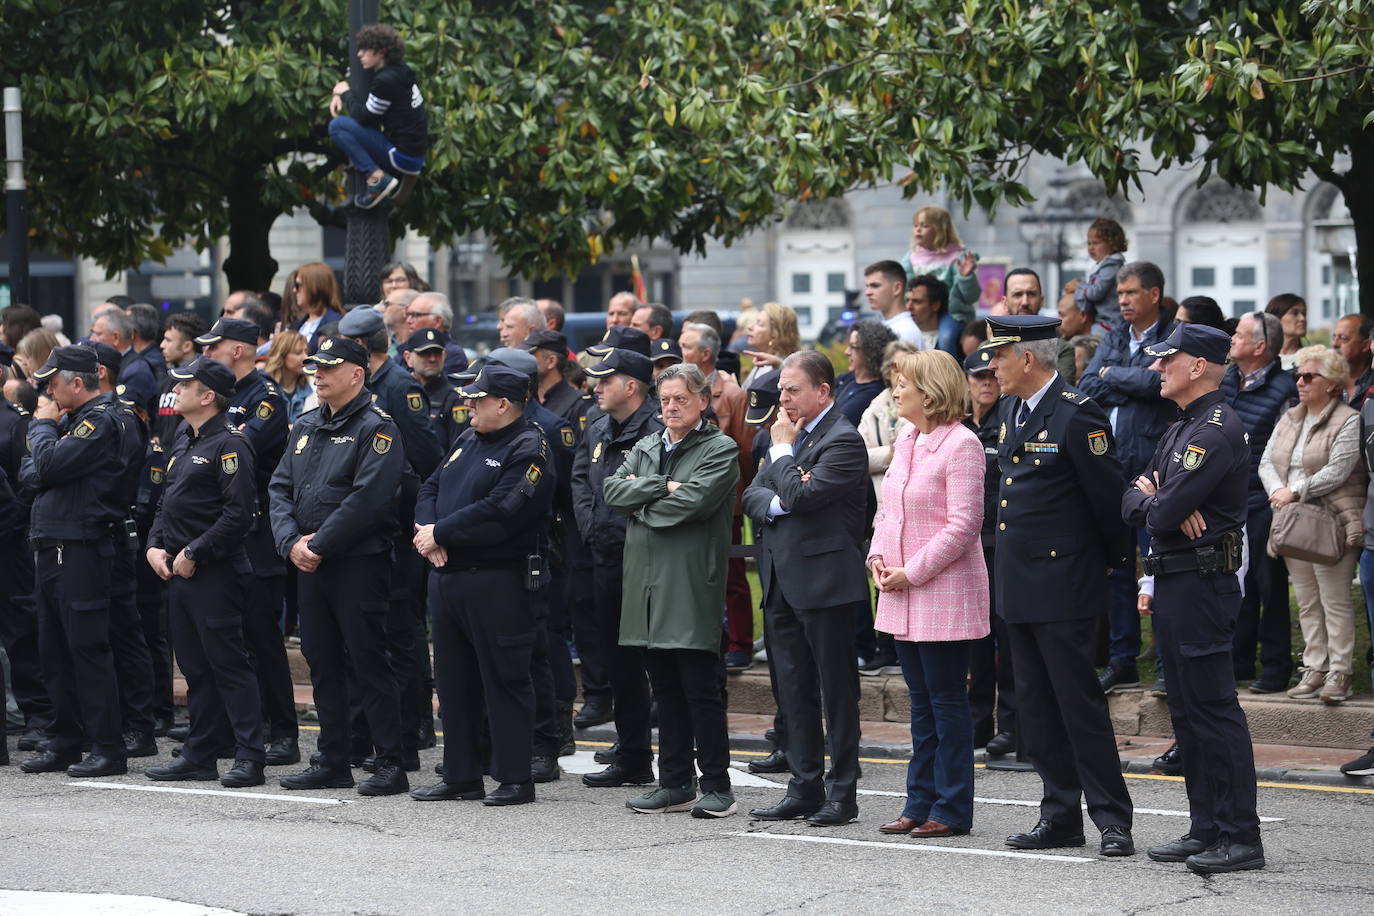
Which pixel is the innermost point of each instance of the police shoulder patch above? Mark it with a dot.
(229, 462)
(582, 421)
(460, 414)
(1097, 442)
(415, 401)
(568, 438)
(265, 411)
(533, 475)
(83, 429)
(155, 475)
(381, 443)
(1192, 457)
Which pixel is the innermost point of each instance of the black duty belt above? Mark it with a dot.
(1213, 560)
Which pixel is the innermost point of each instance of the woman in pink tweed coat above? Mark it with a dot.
(928, 565)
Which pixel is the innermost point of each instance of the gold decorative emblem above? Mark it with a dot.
(1044, 434)
(327, 345)
(381, 443)
(265, 411)
(454, 457)
(1002, 434)
(1192, 457)
(301, 443)
(596, 452)
(1097, 442)
(753, 399)
(229, 462)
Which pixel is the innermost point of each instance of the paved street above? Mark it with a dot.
(579, 850)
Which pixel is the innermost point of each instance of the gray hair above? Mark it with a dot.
(1044, 352)
(514, 301)
(1269, 329)
(526, 310)
(439, 307)
(1148, 273)
(696, 382)
(707, 338)
(146, 321)
(52, 323)
(404, 297)
(117, 320)
(89, 380)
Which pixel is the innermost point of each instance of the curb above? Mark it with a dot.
(746, 741)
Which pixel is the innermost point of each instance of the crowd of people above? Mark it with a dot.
(345, 476)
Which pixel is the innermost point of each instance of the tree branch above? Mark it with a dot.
(1321, 76)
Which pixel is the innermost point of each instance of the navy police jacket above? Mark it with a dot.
(75, 467)
(209, 496)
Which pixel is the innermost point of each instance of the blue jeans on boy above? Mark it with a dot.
(366, 148)
(939, 779)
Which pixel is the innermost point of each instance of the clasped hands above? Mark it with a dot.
(887, 578)
(1193, 526)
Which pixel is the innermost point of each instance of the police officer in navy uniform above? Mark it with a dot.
(1192, 500)
(397, 393)
(74, 467)
(18, 616)
(259, 409)
(478, 522)
(427, 350)
(196, 545)
(610, 671)
(550, 349)
(1059, 529)
(133, 661)
(333, 508)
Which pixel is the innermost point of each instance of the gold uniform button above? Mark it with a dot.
(1004, 504)
(1037, 461)
(1054, 553)
(1008, 480)
(1002, 527)
(1015, 459)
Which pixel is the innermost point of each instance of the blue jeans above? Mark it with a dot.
(1123, 619)
(1367, 584)
(364, 146)
(939, 779)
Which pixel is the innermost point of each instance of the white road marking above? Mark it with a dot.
(585, 762)
(917, 847)
(227, 794)
(45, 903)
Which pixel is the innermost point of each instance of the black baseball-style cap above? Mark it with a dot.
(635, 365)
(214, 375)
(426, 339)
(1196, 340)
(230, 329)
(979, 360)
(666, 349)
(336, 350)
(498, 382)
(545, 339)
(764, 395)
(621, 337)
(105, 355)
(71, 358)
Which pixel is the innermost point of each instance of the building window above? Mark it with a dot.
(834, 283)
(1326, 308)
(803, 314)
(1241, 307)
(1326, 275)
(1242, 276)
(1204, 276)
(801, 283)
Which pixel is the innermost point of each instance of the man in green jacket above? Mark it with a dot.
(677, 489)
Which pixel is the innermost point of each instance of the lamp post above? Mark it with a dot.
(16, 213)
(367, 232)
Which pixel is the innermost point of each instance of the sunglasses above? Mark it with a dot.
(297, 284)
(1308, 376)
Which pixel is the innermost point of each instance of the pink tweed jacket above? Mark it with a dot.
(932, 511)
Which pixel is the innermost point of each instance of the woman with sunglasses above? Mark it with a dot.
(318, 302)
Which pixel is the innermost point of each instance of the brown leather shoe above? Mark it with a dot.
(900, 825)
(936, 829)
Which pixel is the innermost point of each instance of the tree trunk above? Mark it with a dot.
(1359, 198)
(250, 264)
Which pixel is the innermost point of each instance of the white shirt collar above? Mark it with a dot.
(1034, 400)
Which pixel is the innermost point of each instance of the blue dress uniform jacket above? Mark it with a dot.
(1059, 516)
(396, 392)
(601, 454)
(490, 500)
(209, 496)
(339, 480)
(76, 468)
(1203, 464)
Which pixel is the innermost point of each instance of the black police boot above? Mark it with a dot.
(510, 793)
(318, 776)
(49, 761)
(97, 765)
(161, 725)
(544, 769)
(139, 744)
(775, 762)
(179, 732)
(181, 770)
(1170, 763)
(1226, 855)
(242, 774)
(1118, 675)
(426, 739)
(607, 755)
(447, 791)
(566, 742)
(369, 764)
(616, 775)
(31, 740)
(284, 752)
(389, 779)
(1177, 851)
(595, 711)
(1000, 745)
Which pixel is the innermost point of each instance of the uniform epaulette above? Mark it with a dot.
(270, 385)
(381, 413)
(1074, 397)
(17, 408)
(1215, 418)
(100, 406)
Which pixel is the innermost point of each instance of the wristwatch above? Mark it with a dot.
(189, 554)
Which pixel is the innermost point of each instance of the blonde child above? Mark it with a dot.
(936, 250)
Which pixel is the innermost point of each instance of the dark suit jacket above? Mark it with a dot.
(1059, 522)
(816, 550)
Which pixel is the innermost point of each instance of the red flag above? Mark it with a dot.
(637, 278)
